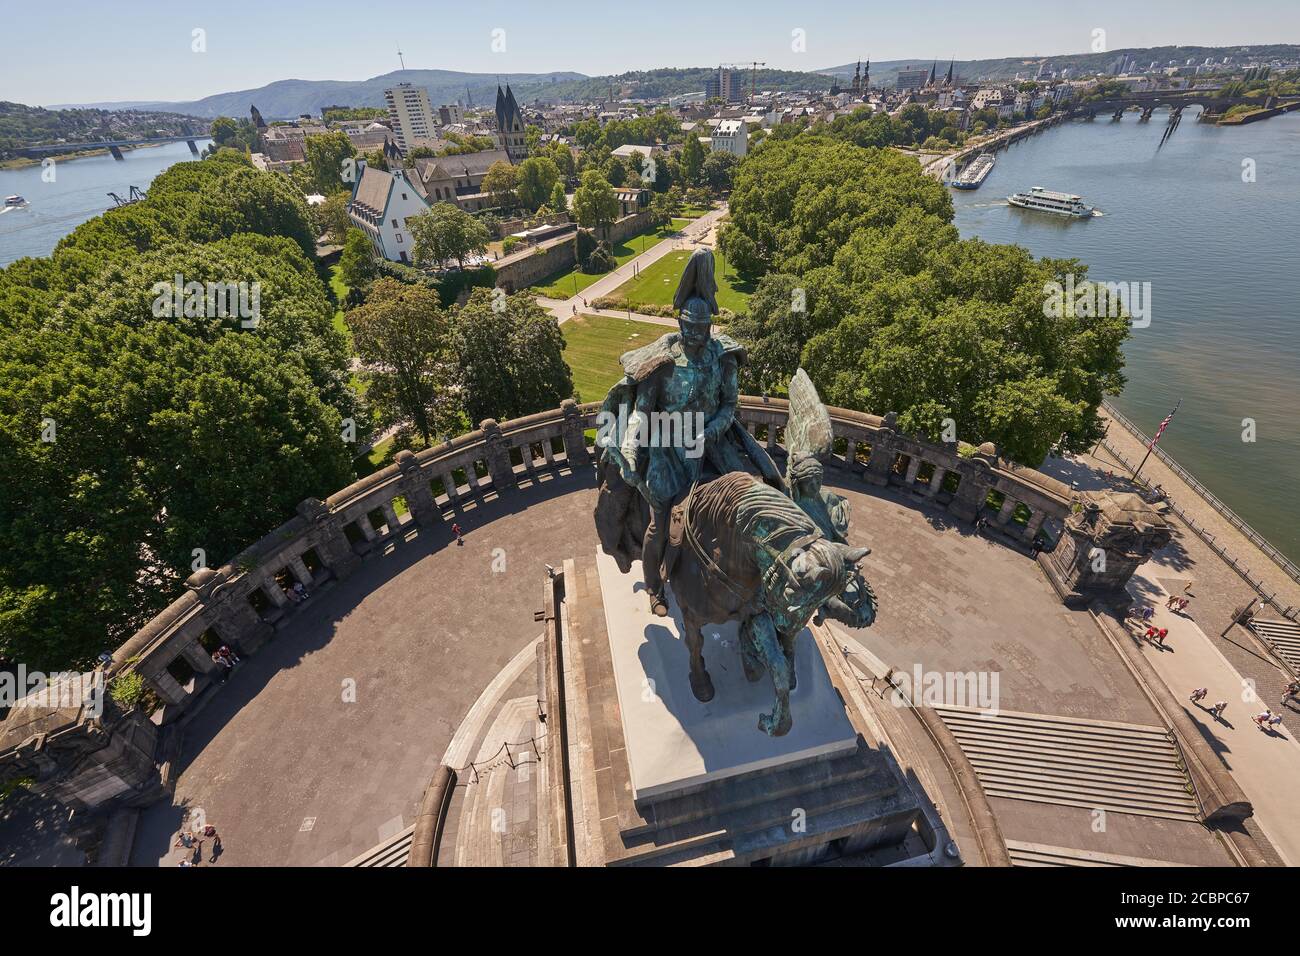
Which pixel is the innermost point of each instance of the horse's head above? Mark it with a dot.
(819, 572)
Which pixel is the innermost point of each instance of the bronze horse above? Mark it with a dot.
(743, 550)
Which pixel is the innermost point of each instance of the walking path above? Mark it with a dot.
(1265, 765)
(697, 231)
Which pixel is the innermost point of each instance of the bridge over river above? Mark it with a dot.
(114, 146)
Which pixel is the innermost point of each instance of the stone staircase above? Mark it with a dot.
(1037, 854)
(392, 852)
(1073, 762)
(1282, 636)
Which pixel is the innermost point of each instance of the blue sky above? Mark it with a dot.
(92, 50)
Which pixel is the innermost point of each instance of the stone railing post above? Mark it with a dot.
(328, 538)
(497, 455)
(233, 617)
(976, 481)
(575, 442)
(883, 451)
(198, 658)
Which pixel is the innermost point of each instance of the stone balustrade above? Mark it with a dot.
(242, 602)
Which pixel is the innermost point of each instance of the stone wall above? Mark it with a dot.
(523, 268)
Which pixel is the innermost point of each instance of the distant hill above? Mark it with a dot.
(286, 99)
(885, 73)
(22, 126)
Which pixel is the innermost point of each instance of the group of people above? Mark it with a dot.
(192, 843)
(1219, 707)
(225, 659)
(297, 594)
(1156, 635)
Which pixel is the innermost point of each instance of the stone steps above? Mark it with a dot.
(1040, 855)
(1282, 636)
(391, 853)
(1098, 765)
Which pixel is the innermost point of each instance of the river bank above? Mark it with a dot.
(22, 162)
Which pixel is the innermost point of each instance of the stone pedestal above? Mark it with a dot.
(1104, 542)
(656, 778)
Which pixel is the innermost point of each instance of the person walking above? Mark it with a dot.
(1161, 635)
(455, 529)
(1263, 718)
(1218, 709)
(1291, 692)
(1199, 695)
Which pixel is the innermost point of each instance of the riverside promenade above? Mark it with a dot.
(1219, 568)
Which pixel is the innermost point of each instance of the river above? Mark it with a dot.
(79, 192)
(1219, 252)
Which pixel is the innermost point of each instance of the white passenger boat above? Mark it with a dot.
(1045, 200)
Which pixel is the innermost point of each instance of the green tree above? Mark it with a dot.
(357, 262)
(594, 204)
(538, 177)
(559, 201)
(403, 337)
(331, 216)
(510, 355)
(718, 170)
(692, 160)
(867, 285)
(502, 180)
(446, 232)
(327, 155)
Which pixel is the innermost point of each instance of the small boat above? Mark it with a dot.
(973, 176)
(15, 200)
(1045, 200)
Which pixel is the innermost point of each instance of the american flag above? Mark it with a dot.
(1164, 424)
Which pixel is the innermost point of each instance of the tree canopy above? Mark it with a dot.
(137, 444)
(865, 282)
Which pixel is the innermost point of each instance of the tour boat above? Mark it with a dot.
(1044, 200)
(974, 175)
(15, 201)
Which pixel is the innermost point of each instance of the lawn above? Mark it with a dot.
(656, 284)
(340, 290)
(593, 344)
(570, 282)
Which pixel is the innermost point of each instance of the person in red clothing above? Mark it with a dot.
(455, 529)
(1161, 635)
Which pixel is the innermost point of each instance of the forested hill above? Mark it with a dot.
(286, 99)
(32, 126)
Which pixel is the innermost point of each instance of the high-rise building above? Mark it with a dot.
(912, 79)
(408, 108)
(510, 126)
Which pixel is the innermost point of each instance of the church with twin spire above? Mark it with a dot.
(510, 126)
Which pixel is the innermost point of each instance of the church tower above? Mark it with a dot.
(857, 79)
(510, 126)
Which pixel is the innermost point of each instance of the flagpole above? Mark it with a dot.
(1152, 447)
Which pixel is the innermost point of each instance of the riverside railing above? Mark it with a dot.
(1288, 567)
(245, 601)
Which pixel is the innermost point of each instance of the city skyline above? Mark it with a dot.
(248, 45)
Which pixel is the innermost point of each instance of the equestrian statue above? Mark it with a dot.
(684, 488)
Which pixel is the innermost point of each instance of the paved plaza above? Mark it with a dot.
(293, 773)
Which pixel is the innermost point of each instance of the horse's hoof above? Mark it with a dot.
(658, 606)
(702, 687)
(772, 729)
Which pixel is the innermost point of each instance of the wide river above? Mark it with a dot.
(79, 191)
(1220, 254)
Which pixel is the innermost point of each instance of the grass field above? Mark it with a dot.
(593, 344)
(656, 283)
(570, 282)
